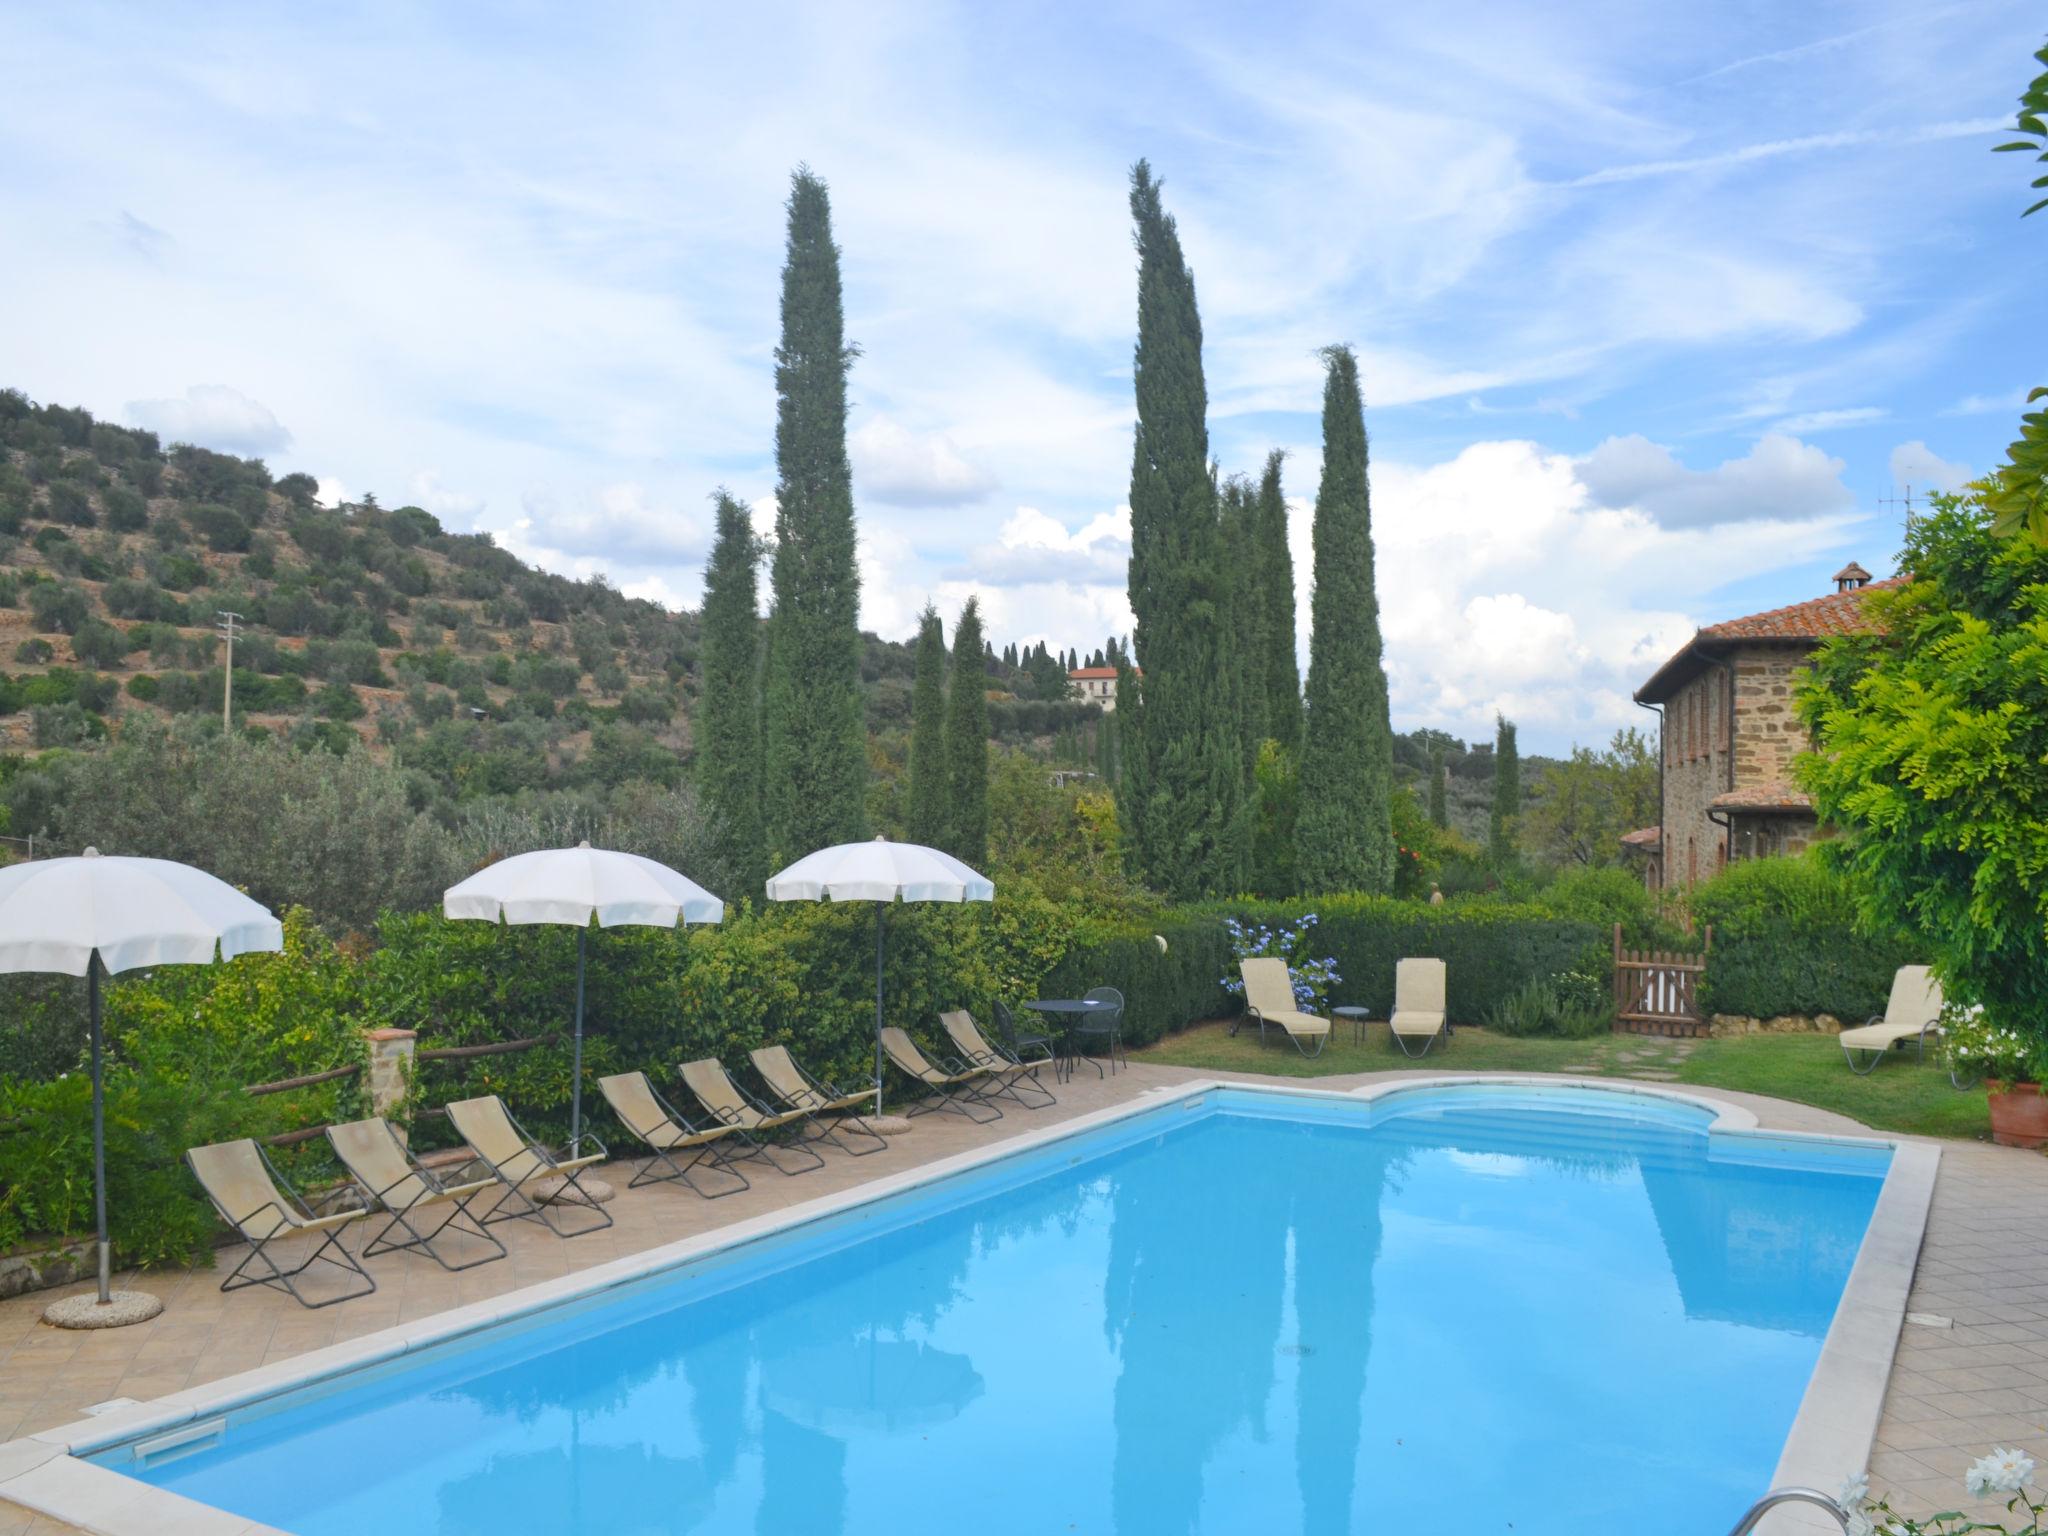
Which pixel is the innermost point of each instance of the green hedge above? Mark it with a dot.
(1164, 990)
(1785, 941)
(1488, 948)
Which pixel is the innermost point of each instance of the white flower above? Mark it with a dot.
(1855, 1491)
(1859, 1524)
(2003, 1471)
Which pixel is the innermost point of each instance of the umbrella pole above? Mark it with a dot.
(576, 1081)
(99, 1123)
(881, 927)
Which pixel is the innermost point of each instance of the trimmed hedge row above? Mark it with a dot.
(1785, 941)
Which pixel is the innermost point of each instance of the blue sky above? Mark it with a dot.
(1655, 304)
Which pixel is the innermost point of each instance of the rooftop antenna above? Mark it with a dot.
(1901, 503)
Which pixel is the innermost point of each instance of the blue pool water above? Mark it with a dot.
(1486, 1310)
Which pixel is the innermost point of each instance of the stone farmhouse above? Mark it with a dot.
(1729, 734)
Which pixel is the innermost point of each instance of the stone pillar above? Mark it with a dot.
(390, 1068)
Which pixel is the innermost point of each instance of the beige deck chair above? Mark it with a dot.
(666, 1132)
(831, 1109)
(393, 1181)
(516, 1160)
(1269, 1000)
(253, 1198)
(1912, 1013)
(948, 1084)
(732, 1105)
(1010, 1076)
(1419, 1005)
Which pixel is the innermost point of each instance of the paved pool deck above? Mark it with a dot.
(1971, 1368)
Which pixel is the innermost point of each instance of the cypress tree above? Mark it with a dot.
(1346, 832)
(1507, 792)
(1239, 509)
(815, 756)
(728, 725)
(1439, 809)
(1280, 677)
(1182, 800)
(927, 809)
(967, 744)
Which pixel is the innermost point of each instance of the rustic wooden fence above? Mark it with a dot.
(1657, 991)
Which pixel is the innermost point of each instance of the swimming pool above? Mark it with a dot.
(1471, 1307)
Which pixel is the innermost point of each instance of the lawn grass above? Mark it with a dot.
(1901, 1095)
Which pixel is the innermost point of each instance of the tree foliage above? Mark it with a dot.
(1932, 757)
(1346, 837)
(925, 818)
(967, 744)
(1503, 825)
(1280, 674)
(728, 724)
(815, 760)
(1182, 798)
(1584, 804)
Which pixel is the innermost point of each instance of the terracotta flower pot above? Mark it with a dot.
(2019, 1114)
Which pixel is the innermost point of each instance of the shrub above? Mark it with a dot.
(99, 644)
(1786, 942)
(1572, 1005)
(58, 607)
(66, 725)
(34, 653)
(66, 501)
(127, 511)
(225, 530)
(143, 686)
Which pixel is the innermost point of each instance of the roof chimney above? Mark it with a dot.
(1850, 577)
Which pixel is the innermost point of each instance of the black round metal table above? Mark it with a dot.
(1064, 1011)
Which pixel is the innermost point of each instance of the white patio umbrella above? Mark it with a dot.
(881, 872)
(573, 885)
(84, 915)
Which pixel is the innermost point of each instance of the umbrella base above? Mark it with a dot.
(551, 1192)
(123, 1308)
(888, 1125)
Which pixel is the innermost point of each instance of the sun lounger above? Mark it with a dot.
(1269, 1000)
(255, 1200)
(730, 1104)
(517, 1161)
(830, 1109)
(1418, 1005)
(394, 1182)
(1912, 1013)
(948, 1084)
(1009, 1075)
(666, 1133)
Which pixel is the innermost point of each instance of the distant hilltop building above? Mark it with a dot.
(1096, 684)
(1729, 735)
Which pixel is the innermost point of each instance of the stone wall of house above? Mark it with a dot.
(1695, 750)
(1768, 734)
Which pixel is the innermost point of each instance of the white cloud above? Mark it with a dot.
(1780, 478)
(457, 510)
(1917, 465)
(213, 416)
(620, 524)
(1824, 421)
(330, 492)
(1507, 584)
(912, 469)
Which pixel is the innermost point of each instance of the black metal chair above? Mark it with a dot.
(1104, 1024)
(1021, 1044)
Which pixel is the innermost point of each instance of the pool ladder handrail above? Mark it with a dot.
(1777, 1496)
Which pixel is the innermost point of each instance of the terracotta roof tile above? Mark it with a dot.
(1081, 672)
(1771, 795)
(1839, 613)
(1643, 837)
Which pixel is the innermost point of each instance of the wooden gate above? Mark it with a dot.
(1657, 992)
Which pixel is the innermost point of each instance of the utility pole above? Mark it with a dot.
(228, 631)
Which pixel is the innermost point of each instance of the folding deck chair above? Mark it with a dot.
(516, 1160)
(253, 1198)
(1269, 1001)
(830, 1108)
(950, 1084)
(1912, 1012)
(666, 1132)
(732, 1105)
(394, 1182)
(1011, 1076)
